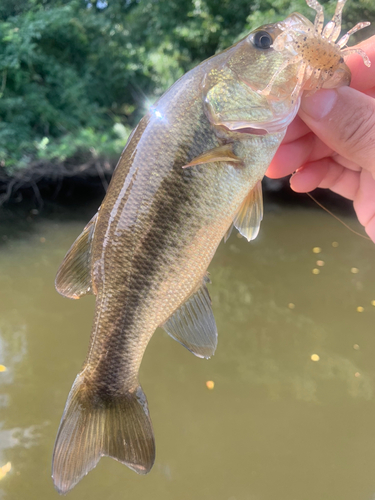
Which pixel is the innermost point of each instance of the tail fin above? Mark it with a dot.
(95, 425)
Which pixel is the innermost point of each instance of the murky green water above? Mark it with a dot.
(277, 424)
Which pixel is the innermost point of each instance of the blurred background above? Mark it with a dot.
(285, 409)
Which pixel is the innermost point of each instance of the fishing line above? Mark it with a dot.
(337, 218)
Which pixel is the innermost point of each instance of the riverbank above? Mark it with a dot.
(45, 180)
(80, 181)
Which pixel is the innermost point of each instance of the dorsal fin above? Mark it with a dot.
(193, 324)
(73, 278)
(249, 215)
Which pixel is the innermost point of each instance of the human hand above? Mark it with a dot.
(331, 144)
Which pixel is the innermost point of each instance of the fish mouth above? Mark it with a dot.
(245, 128)
(251, 131)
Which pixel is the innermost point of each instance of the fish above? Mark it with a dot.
(190, 172)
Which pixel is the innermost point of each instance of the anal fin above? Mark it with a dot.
(73, 278)
(193, 324)
(250, 214)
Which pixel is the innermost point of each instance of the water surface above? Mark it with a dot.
(277, 424)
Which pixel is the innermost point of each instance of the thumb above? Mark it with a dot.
(344, 119)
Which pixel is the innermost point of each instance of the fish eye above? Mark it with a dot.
(262, 40)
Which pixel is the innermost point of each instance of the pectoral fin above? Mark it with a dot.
(249, 215)
(73, 278)
(193, 324)
(221, 153)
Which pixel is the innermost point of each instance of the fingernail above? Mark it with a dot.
(299, 169)
(319, 104)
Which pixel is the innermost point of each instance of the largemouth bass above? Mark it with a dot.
(190, 171)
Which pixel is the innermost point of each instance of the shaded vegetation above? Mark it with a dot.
(76, 77)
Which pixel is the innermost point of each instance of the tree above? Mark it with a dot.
(76, 76)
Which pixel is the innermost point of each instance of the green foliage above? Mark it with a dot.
(76, 76)
(275, 10)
